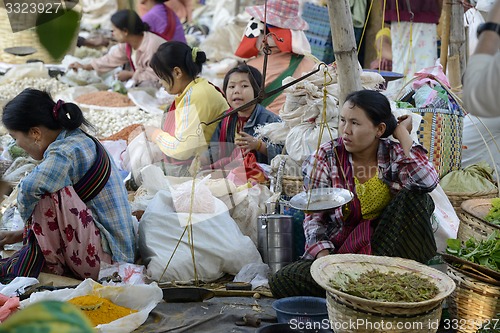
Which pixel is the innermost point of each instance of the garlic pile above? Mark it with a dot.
(109, 122)
(12, 89)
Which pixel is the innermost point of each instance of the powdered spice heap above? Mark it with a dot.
(100, 310)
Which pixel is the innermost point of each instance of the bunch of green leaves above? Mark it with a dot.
(493, 215)
(483, 252)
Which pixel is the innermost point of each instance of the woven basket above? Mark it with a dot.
(374, 316)
(292, 185)
(472, 223)
(456, 198)
(472, 302)
(440, 131)
(23, 38)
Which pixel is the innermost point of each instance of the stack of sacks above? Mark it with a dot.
(304, 112)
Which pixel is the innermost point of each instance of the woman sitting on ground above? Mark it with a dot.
(74, 203)
(241, 85)
(137, 46)
(391, 209)
(187, 126)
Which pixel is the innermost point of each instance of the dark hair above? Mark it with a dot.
(376, 107)
(253, 73)
(129, 20)
(34, 107)
(177, 54)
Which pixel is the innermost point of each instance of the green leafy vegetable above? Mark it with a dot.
(483, 252)
(389, 287)
(493, 215)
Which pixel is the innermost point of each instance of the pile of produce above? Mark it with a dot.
(389, 287)
(493, 215)
(105, 98)
(485, 252)
(100, 310)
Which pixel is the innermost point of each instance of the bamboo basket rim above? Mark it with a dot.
(324, 266)
(470, 206)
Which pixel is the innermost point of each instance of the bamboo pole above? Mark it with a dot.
(457, 34)
(445, 33)
(344, 46)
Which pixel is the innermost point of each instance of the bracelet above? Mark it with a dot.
(259, 145)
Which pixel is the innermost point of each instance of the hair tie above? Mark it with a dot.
(194, 53)
(56, 108)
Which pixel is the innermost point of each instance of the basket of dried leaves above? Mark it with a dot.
(381, 294)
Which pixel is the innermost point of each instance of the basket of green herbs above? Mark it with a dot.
(479, 218)
(474, 265)
(375, 290)
(478, 256)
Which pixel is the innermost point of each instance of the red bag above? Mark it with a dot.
(248, 171)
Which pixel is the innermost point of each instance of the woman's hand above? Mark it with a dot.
(404, 126)
(10, 237)
(76, 65)
(248, 142)
(402, 133)
(323, 253)
(124, 75)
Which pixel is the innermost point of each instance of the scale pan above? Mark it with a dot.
(20, 50)
(321, 199)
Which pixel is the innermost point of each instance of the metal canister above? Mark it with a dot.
(275, 240)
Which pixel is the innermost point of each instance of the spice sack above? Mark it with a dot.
(142, 297)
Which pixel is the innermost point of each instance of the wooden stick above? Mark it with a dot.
(445, 33)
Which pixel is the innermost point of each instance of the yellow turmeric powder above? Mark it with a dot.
(100, 310)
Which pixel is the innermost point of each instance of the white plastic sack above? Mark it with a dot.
(219, 245)
(17, 286)
(253, 205)
(140, 153)
(197, 200)
(445, 219)
(142, 298)
(302, 140)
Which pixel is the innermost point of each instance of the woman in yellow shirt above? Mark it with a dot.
(184, 131)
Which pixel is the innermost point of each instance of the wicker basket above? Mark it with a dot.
(23, 38)
(456, 198)
(472, 223)
(472, 302)
(374, 316)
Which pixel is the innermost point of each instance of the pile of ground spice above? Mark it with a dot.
(105, 98)
(100, 310)
(123, 134)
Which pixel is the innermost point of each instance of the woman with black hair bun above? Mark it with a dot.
(136, 47)
(74, 204)
(189, 122)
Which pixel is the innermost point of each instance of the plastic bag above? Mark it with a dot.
(254, 273)
(142, 298)
(445, 220)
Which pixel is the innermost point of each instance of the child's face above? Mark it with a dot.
(239, 90)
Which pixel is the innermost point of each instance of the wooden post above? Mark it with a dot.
(344, 46)
(457, 34)
(445, 33)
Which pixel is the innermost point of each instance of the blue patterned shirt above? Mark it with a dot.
(64, 162)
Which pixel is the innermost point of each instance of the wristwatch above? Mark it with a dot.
(488, 26)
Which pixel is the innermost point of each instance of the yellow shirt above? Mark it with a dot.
(199, 103)
(374, 195)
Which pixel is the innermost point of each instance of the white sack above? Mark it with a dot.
(302, 140)
(445, 220)
(219, 245)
